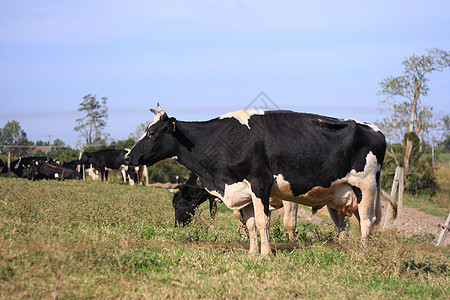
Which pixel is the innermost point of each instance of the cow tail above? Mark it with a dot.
(378, 211)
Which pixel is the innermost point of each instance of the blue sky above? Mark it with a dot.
(201, 59)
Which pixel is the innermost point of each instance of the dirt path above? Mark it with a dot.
(413, 222)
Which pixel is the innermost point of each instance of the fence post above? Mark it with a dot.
(401, 188)
(9, 163)
(443, 234)
(394, 187)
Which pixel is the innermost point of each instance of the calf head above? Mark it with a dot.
(185, 201)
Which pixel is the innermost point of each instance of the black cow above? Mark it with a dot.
(39, 170)
(102, 159)
(18, 166)
(73, 165)
(263, 157)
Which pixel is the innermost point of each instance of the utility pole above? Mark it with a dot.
(49, 146)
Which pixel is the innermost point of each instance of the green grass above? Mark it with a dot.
(76, 239)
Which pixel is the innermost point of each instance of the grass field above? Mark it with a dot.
(76, 239)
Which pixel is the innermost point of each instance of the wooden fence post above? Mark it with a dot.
(401, 189)
(443, 234)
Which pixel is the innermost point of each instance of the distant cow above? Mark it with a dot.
(263, 157)
(71, 164)
(18, 166)
(177, 179)
(103, 159)
(37, 170)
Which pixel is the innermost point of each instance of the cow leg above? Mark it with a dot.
(260, 201)
(367, 212)
(212, 212)
(124, 174)
(238, 214)
(248, 214)
(106, 175)
(290, 218)
(262, 219)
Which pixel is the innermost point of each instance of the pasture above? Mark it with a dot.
(76, 239)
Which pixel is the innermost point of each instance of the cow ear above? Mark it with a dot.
(173, 124)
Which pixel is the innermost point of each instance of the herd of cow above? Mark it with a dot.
(254, 161)
(95, 164)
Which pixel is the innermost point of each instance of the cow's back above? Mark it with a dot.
(311, 150)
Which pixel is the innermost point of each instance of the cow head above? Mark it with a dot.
(185, 201)
(157, 143)
(84, 158)
(183, 204)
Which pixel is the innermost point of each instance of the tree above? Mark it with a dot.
(445, 126)
(411, 86)
(93, 123)
(13, 135)
(123, 144)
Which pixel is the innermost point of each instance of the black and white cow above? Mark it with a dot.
(44, 170)
(135, 175)
(264, 157)
(104, 159)
(18, 166)
(187, 198)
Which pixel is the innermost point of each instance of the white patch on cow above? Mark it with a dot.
(243, 115)
(339, 195)
(239, 194)
(364, 178)
(236, 195)
(374, 127)
(18, 163)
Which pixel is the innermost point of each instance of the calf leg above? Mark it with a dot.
(238, 214)
(212, 213)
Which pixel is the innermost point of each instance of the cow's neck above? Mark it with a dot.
(196, 150)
